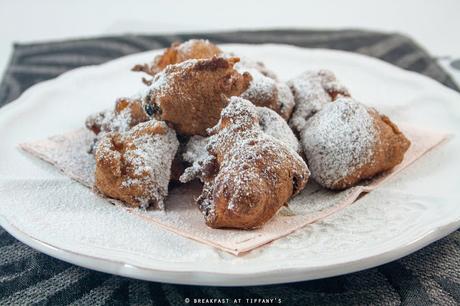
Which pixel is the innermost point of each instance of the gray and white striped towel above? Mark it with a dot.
(429, 276)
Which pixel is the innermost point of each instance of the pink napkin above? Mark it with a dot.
(68, 153)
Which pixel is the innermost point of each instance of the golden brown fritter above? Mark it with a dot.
(346, 142)
(197, 49)
(270, 123)
(191, 95)
(135, 166)
(267, 92)
(248, 175)
(127, 113)
(178, 53)
(264, 89)
(312, 90)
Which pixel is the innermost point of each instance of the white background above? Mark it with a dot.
(434, 24)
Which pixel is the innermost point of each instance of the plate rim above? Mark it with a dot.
(420, 241)
(206, 278)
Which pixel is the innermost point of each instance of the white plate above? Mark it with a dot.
(57, 216)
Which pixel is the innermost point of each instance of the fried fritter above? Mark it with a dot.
(248, 175)
(270, 123)
(274, 125)
(346, 142)
(127, 113)
(178, 53)
(265, 91)
(197, 49)
(135, 166)
(191, 95)
(312, 90)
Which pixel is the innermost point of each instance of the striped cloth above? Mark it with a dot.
(430, 276)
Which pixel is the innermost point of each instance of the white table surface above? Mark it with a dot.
(434, 24)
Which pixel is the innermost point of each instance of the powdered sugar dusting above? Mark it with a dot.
(147, 158)
(69, 153)
(265, 91)
(311, 92)
(195, 148)
(110, 121)
(127, 113)
(286, 99)
(246, 64)
(196, 154)
(338, 140)
(241, 146)
(272, 124)
(260, 88)
(96, 227)
(161, 82)
(187, 46)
